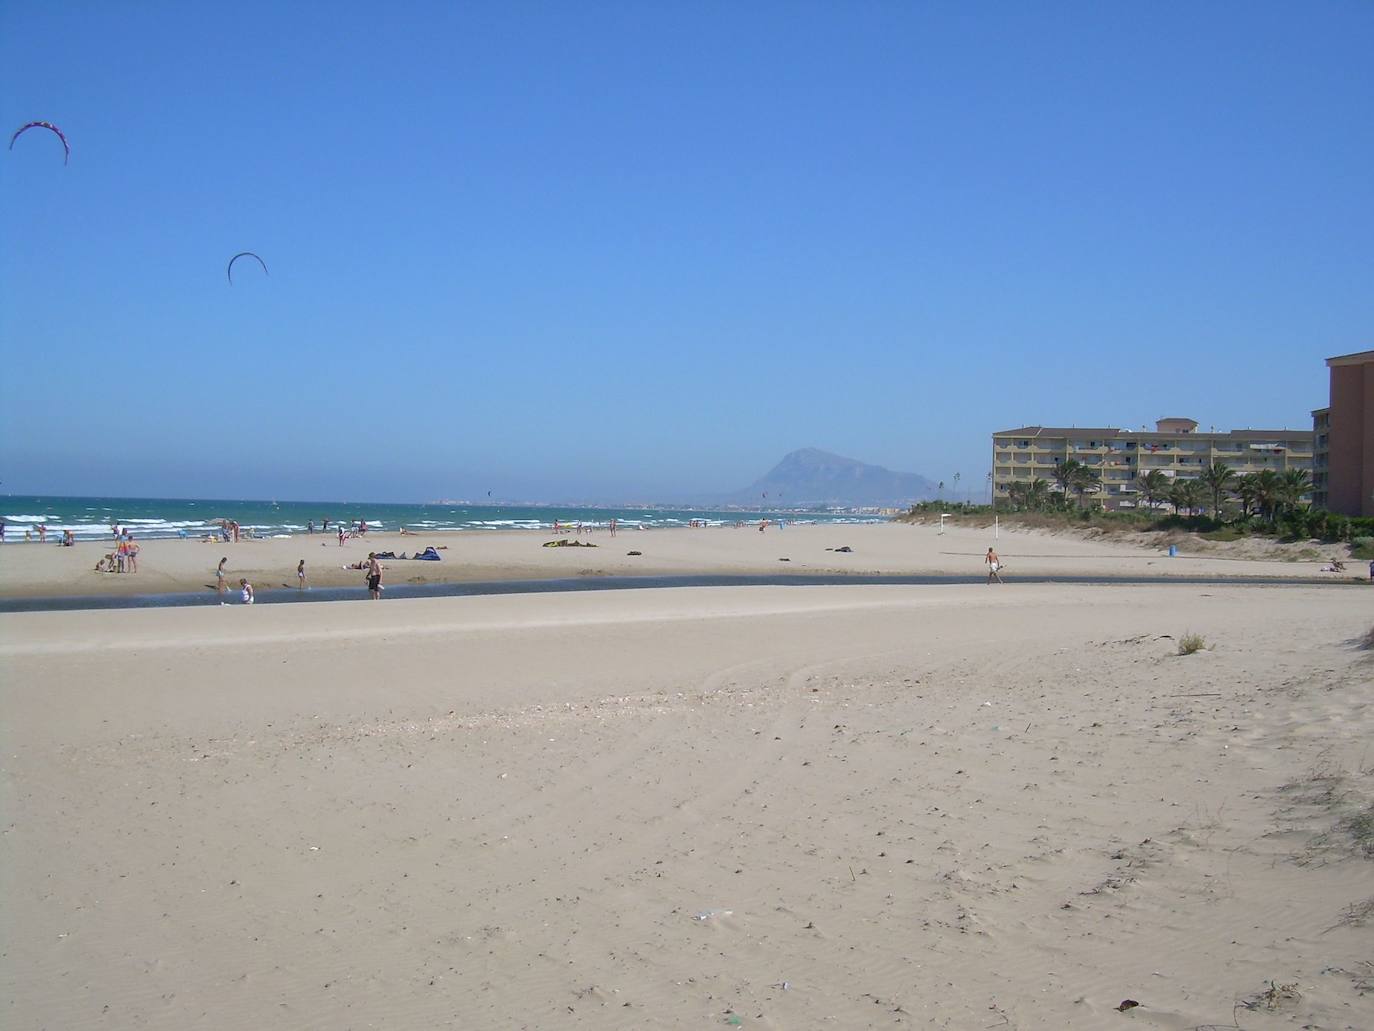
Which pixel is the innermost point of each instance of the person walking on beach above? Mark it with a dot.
(219, 575)
(341, 535)
(131, 553)
(310, 526)
(994, 564)
(613, 526)
(374, 576)
(246, 592)
(300, 575)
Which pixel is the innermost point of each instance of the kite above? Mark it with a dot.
(66, 147)
(229, 270)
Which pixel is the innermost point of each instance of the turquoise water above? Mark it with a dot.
(92, 518)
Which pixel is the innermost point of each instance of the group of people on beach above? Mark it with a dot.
(359, 526)
(124, 558)
(68, 537)
(245, 588)
(373, 567)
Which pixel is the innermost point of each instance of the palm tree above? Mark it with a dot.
(1028, 495)
(1066, 474)
(1247, 490)
(1268, 493)
(1294, 485)
(1085, 479)
(1154, 485)
(1186, 494)
(1175, 495)
(1194, 492)
(1218, 477)
(1038, 493)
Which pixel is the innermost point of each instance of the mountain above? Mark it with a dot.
(811, 476)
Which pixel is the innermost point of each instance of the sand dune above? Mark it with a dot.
(800, 807)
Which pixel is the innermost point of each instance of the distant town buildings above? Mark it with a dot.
(1343, 463)
(1174, 447)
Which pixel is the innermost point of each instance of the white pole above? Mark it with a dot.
(996, 528)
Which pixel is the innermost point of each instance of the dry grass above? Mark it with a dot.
(1274, 996)
(1356, 914)
(1352, 832)
(1190, 643)
(1359, 827)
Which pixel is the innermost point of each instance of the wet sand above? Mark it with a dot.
(167, 566)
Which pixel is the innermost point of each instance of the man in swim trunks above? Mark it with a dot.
(374, 576)
(994, 564)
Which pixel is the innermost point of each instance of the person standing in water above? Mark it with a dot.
(246, 591)
(300, 575)
(994, 564)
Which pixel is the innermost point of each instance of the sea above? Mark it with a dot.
(94, 518)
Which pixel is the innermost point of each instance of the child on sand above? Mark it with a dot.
(247, 592)
(300, 574)
(219, 575)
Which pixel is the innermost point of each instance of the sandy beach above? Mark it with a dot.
(847, 807)
(882, 549)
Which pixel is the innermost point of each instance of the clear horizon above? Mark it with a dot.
(616, 252)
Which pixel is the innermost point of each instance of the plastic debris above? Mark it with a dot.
(711, 914)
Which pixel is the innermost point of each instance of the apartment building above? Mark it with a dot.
(1321, 457)
(1343, 466)
(1175, 447)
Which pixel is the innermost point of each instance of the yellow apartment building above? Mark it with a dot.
(1175, 447)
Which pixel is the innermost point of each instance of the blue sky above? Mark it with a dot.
(643, 250)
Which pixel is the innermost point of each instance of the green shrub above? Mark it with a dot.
(1227, 533)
